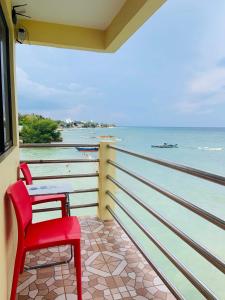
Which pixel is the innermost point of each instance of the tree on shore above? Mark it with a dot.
(37, 129)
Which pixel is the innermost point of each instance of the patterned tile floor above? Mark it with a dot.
(112, 269)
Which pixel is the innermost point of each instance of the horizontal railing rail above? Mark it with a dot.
(200, 286)
(190, 206)
(49, 209)
(49, 177)
(185, 169)
(56, 145)
(218, 263)
(81, 191)
(59, 161)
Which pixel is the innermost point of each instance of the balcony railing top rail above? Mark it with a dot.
(56, 145)
(59, 161)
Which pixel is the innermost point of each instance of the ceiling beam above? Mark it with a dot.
(62, 36)
(132, 15)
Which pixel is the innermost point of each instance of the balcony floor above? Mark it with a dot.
(112, 269)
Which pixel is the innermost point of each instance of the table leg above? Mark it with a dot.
(69, 214)
(68, 204)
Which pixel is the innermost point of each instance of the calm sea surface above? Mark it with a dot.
(202, 148)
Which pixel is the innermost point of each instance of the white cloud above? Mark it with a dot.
(62, 101)
(205, 88)
(28, 88)
(210, 81)
(205, 91)
(73, 113)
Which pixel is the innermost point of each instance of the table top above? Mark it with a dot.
(49, 189)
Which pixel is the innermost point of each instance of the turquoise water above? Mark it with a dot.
(202, 148)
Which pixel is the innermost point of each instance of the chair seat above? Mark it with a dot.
(51, 233)
(47, 198)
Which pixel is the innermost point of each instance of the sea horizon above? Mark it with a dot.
(161, 126)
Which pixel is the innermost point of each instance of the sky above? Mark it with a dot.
(171, 72)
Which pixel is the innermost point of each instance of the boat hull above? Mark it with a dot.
(86, 149)
(165, 146)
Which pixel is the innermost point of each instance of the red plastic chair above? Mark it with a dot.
(61, 231)
(46, 198)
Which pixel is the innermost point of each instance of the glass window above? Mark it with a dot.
(5, 96)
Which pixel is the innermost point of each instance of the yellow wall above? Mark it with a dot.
(8, 174)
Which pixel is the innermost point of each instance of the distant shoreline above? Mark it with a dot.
(143, 126)
(148, 126)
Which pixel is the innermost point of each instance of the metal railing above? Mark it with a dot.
(181, 168)
(200, 249)
(66, 176)
(105, 175)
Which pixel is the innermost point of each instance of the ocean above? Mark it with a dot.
(202, 148)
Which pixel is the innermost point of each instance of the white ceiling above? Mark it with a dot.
(85, 13)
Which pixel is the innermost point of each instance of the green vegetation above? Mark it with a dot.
(37, 129)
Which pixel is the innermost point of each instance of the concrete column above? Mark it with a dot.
(104, 184)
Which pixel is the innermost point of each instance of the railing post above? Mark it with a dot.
(104, 184)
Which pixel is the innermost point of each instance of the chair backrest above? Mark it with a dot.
(18, 194)
(26, 173)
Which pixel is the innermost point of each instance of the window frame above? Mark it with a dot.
(5, 101)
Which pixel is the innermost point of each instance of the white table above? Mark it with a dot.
(51, 189)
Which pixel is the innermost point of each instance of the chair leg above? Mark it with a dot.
(77, 264)
(22, 262)
(63, 209)
(17, 267)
